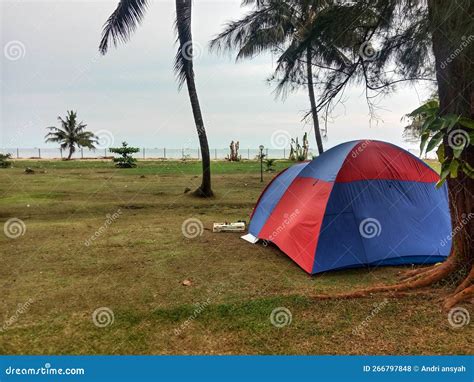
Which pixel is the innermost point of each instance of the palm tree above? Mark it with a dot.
(282, 26)
(119, 27)
(71, 134)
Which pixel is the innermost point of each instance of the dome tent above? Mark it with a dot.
(360, 203)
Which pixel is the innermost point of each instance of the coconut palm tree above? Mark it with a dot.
(119, 27)
(283, 26)
(71, 134)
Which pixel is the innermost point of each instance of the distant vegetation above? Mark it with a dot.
(125, 160)
(4, 160)
(71, 134)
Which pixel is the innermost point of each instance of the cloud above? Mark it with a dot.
(132, 91)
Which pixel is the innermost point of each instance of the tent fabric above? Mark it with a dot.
(360, 203)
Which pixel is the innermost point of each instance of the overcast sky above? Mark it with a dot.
(50, 64)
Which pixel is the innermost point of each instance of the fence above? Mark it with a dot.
(145, 153)
(157, 153)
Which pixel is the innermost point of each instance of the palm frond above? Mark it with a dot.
(258, 31)
(71, 133)
(122, 23)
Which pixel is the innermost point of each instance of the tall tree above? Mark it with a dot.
(423, 40)
(450, 24)
(281, 26)
(71, 134)
(119, 27)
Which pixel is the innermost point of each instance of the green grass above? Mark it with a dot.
(136, 266)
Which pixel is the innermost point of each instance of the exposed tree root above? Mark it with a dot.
(464, 292)
(419, 278)
(469, 280)
(413, 272)
(465, 295)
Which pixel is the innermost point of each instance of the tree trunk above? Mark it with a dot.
(454, 74)
(312, 101)
(183, 22)
(205, 188)
(71, 151)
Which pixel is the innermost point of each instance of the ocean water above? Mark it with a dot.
(145, 153)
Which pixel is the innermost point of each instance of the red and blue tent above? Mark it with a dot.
(360, 203)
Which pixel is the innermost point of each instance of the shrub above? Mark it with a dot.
(4, 160)
(125, 160)
(270, 164)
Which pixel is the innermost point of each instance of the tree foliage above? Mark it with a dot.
(5, 160)
(433, 128)
(71, 134)
(125, 160)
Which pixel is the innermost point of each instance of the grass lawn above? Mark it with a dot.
(52, 282)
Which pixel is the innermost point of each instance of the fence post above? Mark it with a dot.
(39, 153)
(82, 153)
(248, 153)
(61, 152)
(105, 153)
(198, 153)
(215, 154)
(266, 153)
(143, 153)
(164, 152)
(182, 153)
(17, 153)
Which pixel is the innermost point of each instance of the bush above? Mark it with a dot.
(4, 160)
(125, 160)
(270, 164)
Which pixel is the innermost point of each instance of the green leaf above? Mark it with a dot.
(466, 122)
(435, 141)
(468, 169)
(457, 152)
(440, 183)
(450, 120)
(440, 153)
(445, 170)
(430, 107)
(424, 138)
(436, 124)
(453, 168)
